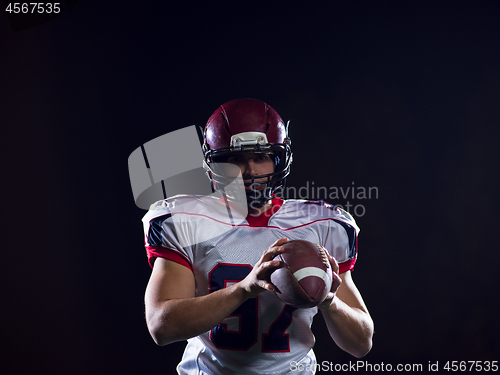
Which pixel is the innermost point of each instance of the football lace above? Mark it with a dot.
(324, 257)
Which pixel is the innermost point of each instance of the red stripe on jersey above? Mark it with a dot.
(347, 265)
(163, 252)
(263, 219)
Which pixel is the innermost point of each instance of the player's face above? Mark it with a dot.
(253, 164)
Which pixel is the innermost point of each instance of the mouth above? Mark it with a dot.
(249, 186)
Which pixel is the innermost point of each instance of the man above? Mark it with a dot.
(211, 264)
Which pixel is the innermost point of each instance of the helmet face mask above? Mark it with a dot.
(240, 127)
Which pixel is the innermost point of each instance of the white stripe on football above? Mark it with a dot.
(313, 271)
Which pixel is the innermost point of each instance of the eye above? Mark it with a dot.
(235, 159)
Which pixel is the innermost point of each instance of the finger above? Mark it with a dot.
(280, 241)
(264, 272)
(271, 253)
(336, 281)
(275, 248)
(266, 268)
(327, 301)
(267, 285)
(334, 263)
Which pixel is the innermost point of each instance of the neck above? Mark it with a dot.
(258, 211)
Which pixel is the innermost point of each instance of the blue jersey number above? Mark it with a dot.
(245, 336)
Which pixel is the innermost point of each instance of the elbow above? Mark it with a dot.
(362, 349)
(160, 332)
(365, 343)
(162, 338)
(158, 338)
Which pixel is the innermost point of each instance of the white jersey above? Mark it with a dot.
(263, 335)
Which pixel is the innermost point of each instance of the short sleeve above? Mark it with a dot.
(160, 237)
(341, 241)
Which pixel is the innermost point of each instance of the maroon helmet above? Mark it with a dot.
(247, 125)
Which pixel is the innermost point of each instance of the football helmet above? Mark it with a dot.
(243, 126)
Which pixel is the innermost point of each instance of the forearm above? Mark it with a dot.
(179, 319)
(350, 328)
(173, 313)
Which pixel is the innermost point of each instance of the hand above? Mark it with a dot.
(258, 280)
(336, 281)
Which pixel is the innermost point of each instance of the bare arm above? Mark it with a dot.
(347, 318)
(173, 313)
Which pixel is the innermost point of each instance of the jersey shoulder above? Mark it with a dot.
(182, 203)
(188, 209)
(307, 211)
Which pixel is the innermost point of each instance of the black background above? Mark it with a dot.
(402, 96)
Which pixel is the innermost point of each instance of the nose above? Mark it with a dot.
(250, 169)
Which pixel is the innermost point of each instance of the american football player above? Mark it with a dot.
(210, 281)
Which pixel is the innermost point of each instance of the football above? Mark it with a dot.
(306, 277)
